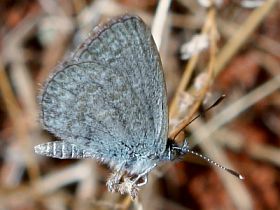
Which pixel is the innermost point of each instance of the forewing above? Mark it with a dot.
(126, 45)
(89, 103)
(110, 100)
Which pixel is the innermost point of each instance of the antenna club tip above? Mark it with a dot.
(241, 177)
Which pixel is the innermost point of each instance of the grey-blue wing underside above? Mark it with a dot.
(111, 97)
(126, 44)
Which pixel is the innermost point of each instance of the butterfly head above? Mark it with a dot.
(175, 151)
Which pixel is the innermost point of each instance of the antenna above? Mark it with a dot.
(204, 111)
(232, 172)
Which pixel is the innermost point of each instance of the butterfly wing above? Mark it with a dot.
(126, 43)
(111, 97)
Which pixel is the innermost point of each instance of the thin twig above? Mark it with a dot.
(237, 143)
(19, 123)
(159, 21)
(188, 73)
(211, 26)
(242, 34)
(60, 178)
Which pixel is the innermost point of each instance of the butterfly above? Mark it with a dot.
(108, 102)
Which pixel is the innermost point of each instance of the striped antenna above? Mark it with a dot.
(232, 172)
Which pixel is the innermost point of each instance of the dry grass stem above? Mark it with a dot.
(210, 25)
(36, 36)
(159, 21)
(242, 34)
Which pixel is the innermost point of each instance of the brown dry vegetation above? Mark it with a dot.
(243, 132)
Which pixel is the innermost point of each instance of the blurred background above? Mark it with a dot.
(208, 48)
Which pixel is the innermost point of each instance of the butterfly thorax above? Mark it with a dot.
(173, 151)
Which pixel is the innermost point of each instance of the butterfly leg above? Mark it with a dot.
(114, 181)
(144, 176)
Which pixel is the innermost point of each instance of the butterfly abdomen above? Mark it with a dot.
(61, 150)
